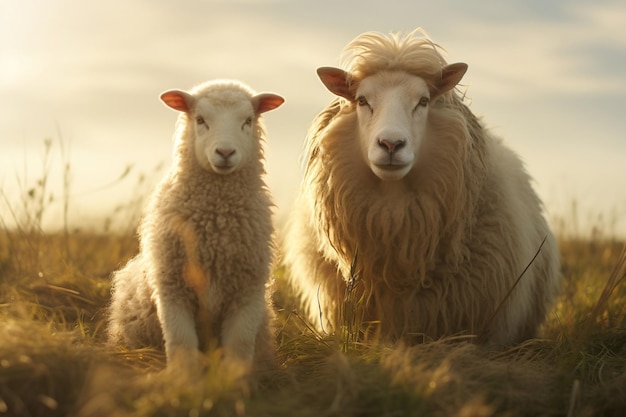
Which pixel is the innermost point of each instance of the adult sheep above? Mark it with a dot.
(205, 239)
(437, 215)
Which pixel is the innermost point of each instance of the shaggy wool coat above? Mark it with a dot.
(439, 252)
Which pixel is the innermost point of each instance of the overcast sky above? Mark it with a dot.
(547, 76)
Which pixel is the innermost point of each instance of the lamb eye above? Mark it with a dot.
(248, 122)
(200, 120)
(423, 101)
(362, 101)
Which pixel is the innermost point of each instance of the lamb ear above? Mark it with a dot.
(451, 75)
(336, 80)
(178, 100)
(266, 101)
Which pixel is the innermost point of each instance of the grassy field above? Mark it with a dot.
(54, 362)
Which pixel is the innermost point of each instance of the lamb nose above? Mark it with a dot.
(225, 153)
(390, 146)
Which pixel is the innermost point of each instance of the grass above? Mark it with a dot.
(54, 288)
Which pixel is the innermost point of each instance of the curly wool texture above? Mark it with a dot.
(205, 257)
(438, 250)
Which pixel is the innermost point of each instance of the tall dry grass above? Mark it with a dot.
(54, 288)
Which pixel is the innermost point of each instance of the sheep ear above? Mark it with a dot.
(266, 101)
(451, 75)
(178, 100)
(336, 80)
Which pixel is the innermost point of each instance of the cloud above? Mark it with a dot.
(96, 71)
(576, 54)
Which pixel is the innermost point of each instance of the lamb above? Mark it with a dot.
(413, 221)
(199, 279)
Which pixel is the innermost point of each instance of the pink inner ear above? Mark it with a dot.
(176, 100)
(336, 80)
(451, 75)
(266, 102)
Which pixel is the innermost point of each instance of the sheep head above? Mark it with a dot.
(392, 111)
(224, 122)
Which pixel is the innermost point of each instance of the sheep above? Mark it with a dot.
(199, 279)
(413, 221)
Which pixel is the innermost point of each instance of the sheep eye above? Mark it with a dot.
(362, 101)
(423, 102)
(200, 120)
(248, 122)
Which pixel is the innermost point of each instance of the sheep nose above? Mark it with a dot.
(225, 153)
(391, 146)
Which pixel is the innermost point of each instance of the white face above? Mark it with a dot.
(225, 137)
(392, 109)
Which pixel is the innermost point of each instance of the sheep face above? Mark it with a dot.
(392, 111)
(224, 135)
(224, 124)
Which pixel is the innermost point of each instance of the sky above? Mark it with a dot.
(547, 77)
